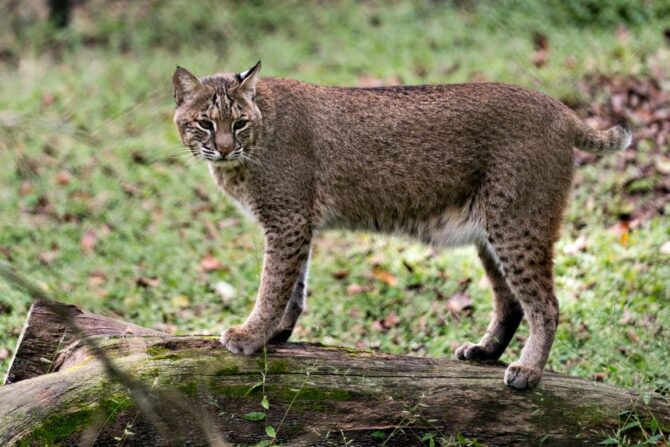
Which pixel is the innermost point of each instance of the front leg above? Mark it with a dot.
(286, 252)
(295, 307)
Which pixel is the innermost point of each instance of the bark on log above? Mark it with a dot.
(47, 331)
(317, 395)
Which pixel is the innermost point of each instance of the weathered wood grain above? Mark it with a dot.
(318, 396)
(46, 332)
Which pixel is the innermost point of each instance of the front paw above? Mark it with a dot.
(521, 376)
(238, 339)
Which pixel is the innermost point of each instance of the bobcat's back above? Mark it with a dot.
(381, 156)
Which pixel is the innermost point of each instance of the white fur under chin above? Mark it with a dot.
(224, 164)
(219, 172)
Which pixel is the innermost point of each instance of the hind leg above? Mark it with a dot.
(525, 255)
(507, 315)
(520, 207)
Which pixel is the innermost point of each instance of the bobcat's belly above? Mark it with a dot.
(449, 228)
(452, 233)
(452, 228)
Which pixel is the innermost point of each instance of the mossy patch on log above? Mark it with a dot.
(228, 370)
(59, 429)
(316, 394)
(159, 352)
(66, 428)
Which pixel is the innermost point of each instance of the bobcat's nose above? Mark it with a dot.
(224, 143)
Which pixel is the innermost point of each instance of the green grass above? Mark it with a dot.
(87, 145)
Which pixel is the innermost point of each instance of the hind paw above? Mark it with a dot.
(471, 351)
(522, 377)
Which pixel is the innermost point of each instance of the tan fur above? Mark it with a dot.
(483, 164)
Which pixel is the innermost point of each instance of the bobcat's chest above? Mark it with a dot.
(234, 182)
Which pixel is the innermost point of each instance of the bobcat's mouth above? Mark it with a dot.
(229, 160)
(217, 158)
(224, 161)
(207, 153)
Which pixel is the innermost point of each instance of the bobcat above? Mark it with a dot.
(485, 164)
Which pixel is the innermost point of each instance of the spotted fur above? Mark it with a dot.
(483, 164)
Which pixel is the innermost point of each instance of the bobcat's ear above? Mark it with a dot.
(248, 80)
(185, 84)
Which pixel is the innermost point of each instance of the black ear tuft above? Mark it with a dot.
(247, 80)
(249, 73)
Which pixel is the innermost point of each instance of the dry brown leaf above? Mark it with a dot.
(540, 58)
(632, 336)
(460, 304)
(576, 246)
(599, 376)
(340, 274)
(63, 178)
(102, 293)
(623, 34)
(365, 80)
(145, 282)
(356, 289)
(229, 223)
(210, 228)
(88, 241)
(130, 189)
(26, 187)
(541, 54)
(47, 257)
(384, 276)
(97, 279)
(621, 229)
(210, 264)
(391, 320)
(201, 193)
(48, 99)
(378, 326)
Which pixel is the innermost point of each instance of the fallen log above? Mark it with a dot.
(292, 394)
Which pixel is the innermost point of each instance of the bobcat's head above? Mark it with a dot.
(217, 116)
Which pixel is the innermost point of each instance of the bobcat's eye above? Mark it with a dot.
(240, 123)
(206, 124)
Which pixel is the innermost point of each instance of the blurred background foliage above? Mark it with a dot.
(98, 207)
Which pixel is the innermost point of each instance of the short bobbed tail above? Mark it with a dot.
(614, 139)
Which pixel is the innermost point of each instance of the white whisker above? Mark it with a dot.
(195, 157)
(245, 157)
(182, 155)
